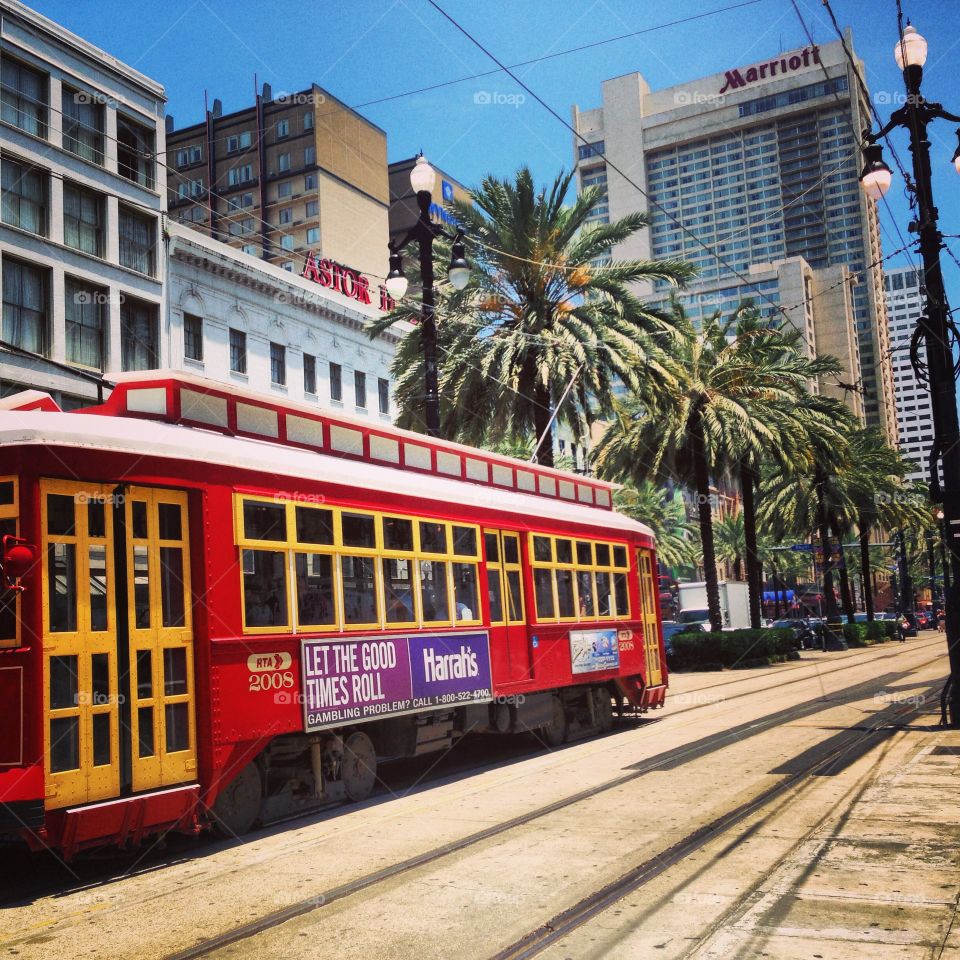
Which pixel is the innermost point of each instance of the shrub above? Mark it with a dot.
(731, 648)
(857, 635)
(877, 630)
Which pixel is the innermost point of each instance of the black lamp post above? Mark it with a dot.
(425, 231)
(915, 116)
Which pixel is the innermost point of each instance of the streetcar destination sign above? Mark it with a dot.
(368, 678)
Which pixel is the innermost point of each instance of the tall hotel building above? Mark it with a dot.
(761, 164)
(905, 304)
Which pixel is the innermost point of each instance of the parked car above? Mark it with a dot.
(671, 628)
(802, 634)
(696, 615)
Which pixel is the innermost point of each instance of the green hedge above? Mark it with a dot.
(867, 634)
(731, 648)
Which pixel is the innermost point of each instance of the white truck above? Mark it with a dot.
(734, 604)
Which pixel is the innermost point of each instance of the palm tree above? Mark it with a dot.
(724, 398)
(663, 510)
(731, 541)
(545, 308)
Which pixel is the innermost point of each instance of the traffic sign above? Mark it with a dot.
(802, 548)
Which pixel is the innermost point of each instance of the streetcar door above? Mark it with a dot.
(80, 689)
(505, 592)
(162, 715)
(648, 603)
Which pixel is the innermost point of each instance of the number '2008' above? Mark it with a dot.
(270, 681)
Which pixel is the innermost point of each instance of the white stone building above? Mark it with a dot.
(238, 319)
(82, 271)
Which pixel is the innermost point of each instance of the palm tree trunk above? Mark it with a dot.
(542, 426)
(705, 515)
(864, 537)
(829, 600)
(845, 596)
(750, 536)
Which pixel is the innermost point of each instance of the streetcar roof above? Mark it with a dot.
(176, 442)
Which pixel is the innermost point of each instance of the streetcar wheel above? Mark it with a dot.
(604, 708)
(555, 732)
(359, 767)
(237, 808)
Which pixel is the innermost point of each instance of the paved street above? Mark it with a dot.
(824, 784)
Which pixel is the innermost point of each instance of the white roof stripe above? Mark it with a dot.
(152, 438)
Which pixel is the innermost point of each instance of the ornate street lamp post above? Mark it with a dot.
(935, 325)
(425, 231)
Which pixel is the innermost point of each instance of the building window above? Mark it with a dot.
(241, 174)
(360, 388)
(286, 215)
(383, 389)
(285, 189)
(336, 382)
(138, 335)
(82, 125)
(25, 306)
(238, 351)
(136, 146)
(192, 336)
(278, 364)
(23, 97)
(250, 248)
(309, 374)
(286, 242)
(83, 219)
(313, 208)
(309, 156)
(24, 197)
(189, 156)
(310, 181)
(587, 150)
(137, 241)
(287, 265)
(313, 235)
(238, 141)
(283, 161)
(308, 121)
(283, 129)
(84, 323)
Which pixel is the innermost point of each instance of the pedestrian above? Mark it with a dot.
(941, 621)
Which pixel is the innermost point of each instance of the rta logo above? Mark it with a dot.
(447, 191)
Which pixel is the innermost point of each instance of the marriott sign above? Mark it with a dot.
(772, 68)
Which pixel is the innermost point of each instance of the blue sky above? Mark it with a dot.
(366, 50)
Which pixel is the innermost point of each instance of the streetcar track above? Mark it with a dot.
(565, 922)
(166, 861)
(674, 757)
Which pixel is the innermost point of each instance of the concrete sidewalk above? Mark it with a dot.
(879, 880)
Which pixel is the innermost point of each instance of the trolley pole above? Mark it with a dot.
(935, 325)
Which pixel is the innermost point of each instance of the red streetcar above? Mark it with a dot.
(219, 609)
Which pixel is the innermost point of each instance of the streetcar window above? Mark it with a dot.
(604, 599)
(359, 530)
(564, 551)
(139, 513)
(543, 589)
(174, 671)
(359, 590)
(7, 493)
(566, 606)
(172, 608)
(494, 595)
(603, 554)
(96, 519)
(316, 600)
(542, 550)
(464, 541)
(314, 525)
(264, 588)
(492, 546)
(619, 556)
(584, 554)
(97, 562)
(64, 689)
(511, 548)
(141, 588)
(585, 593)
(466, 600)
(64, 744)
(398, 534)
(62, 584)
(144, 675)
(264, 521)
(8, 598)
(101, 739)
(621, 594)
(398, 590)
(177, 717)
(145, 732)
(100, 678)
(433, 537)
(170, 521)
(60, 515)
(434, 591)
(514, 597)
